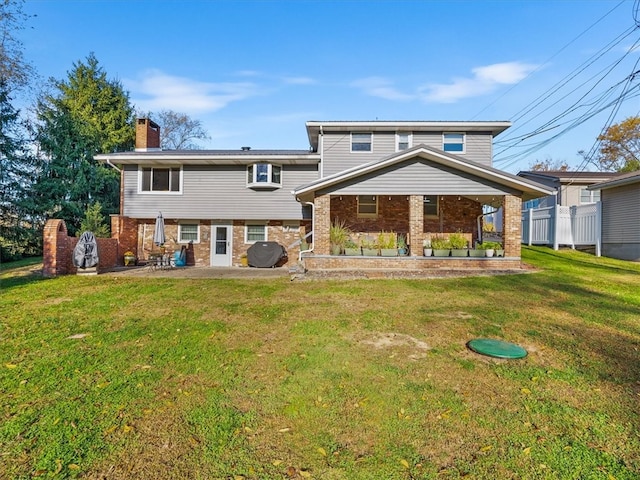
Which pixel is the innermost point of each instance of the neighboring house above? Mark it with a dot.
(415, 178)
(620, 199)
(572, 187)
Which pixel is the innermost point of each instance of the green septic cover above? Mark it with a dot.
(496, 348)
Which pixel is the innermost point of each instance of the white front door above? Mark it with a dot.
(221, 245)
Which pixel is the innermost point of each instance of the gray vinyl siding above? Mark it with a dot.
(219, 192)
(337, 155)
(621, 214)
(417, 177)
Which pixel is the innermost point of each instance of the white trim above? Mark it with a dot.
(186, 222)
(361, 133)
(409, 141)
(435, 155)
(254, 173)
(254, 223)
(160, 192)
(463, 142)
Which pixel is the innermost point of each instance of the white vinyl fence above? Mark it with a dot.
(573, 226)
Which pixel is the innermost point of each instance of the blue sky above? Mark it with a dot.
(254, 71)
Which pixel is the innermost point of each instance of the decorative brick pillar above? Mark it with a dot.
(416, 225)
(125, 231)
(512, 226)
(322, 225)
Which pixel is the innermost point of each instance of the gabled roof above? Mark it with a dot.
(314, 128)
(456, 162)
(566, 177)
(619, 180)
(209, 157)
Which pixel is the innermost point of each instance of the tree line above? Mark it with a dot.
(47, 166)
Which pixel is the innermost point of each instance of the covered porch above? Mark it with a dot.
(418, 195)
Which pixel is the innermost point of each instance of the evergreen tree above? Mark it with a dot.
(87, 114)
(19, 231)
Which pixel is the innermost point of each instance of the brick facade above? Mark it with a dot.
(512, 226)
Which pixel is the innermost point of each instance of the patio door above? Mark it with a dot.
(221, 246)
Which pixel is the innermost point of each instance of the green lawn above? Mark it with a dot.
(156, 378)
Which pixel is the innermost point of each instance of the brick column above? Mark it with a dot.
(322, 223)
(125, 231)
(416, 225)
(512, 226)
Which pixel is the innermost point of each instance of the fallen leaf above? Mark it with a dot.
(276, 463)
(127, 428)
(284, 430)
(526, 451)
(404, 463)
(526, 391)
(486, 448)
(322, 451)
(305, 474)
(73, 466)
(10, 366)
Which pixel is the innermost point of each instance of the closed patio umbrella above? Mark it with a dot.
(158, 234)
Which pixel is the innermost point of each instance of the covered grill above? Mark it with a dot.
(266, 255)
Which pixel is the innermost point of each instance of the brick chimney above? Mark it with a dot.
(147, 135)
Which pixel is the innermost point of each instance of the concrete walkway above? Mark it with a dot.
(201, 272)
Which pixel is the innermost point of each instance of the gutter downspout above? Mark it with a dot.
(313, 226)
(113, 166)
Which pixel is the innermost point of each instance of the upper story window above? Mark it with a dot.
(188, 232)
(264, 175)
(361, 142)
(403, 141)
(155, 179)
(453, 142)
(430, 206)
(589, 196)
(367, 205)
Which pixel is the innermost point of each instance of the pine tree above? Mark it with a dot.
(88, 114)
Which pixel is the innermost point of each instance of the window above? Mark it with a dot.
(160, 179)
(361, 142)
(264, 175)
(453, 142)
(589, 196)
(367, 205)
(255, 233)
(403, 141)
(188, 232)
(430, 206)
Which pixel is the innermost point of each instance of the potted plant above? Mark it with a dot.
(368, 247)
(387, 244)
(402, 244)
(338, 235)
(351, 248)
(459, 245)
(244, 261)
(441, 246)
(426, 247)
(490, 248)
(129, 258)
(304, 245)
(476, 252)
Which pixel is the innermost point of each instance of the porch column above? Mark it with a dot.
(512, 226)
(416, 225)
(322, 223)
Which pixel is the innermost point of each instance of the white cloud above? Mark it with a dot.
(156, 90)
(381, 87)
(484, 80)
(299, 80)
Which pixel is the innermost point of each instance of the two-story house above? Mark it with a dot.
(416, 178)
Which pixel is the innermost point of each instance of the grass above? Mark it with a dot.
(107, 377)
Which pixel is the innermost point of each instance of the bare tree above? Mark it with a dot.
(178, 131)
(14, 69)
(549, 165)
